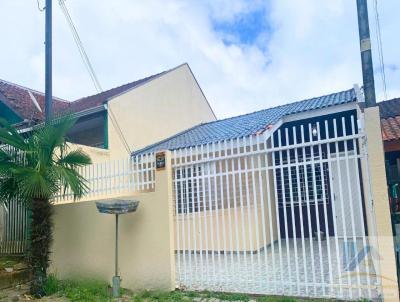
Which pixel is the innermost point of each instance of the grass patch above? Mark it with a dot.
(92, 290)
(183, 296)
(78, 290)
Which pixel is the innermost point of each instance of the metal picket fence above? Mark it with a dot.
(112, 178)
(14, 217)
(282, 213)
(116, 177)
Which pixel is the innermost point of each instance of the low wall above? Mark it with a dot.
(84, 241)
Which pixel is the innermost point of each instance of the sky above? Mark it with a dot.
(247, 55)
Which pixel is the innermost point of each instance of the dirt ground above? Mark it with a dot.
(20, 293)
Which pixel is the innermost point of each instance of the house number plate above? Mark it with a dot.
(160, 160)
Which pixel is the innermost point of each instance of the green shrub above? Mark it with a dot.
(78, 290)
(52, 285)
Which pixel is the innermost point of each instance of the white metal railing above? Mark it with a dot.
(107, 179)
(239, 226)
(116, 177)
(14, 217)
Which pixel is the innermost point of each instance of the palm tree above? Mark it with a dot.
(33, 169)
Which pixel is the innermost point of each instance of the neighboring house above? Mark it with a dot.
(110, 124)
(390, 124)
(122, 119)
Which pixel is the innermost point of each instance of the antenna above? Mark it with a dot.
(34, 101)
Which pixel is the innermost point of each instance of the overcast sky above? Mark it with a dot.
(246, 55)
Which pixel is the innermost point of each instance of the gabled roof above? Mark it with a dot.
(248, 124)
(390, 119)
(102, 98)
(17, 98)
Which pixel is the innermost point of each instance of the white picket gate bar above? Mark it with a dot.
(115, 177)
(279, 213)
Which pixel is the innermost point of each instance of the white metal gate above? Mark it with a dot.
(283, 212)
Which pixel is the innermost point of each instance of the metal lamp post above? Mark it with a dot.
(117, 207)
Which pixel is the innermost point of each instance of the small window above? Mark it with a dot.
(302, 182)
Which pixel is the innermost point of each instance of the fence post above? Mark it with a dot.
(164, 184)
(379, 196)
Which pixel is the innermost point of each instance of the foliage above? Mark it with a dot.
(78, 290)
(33, 169)
(92, 290)
(37, 166)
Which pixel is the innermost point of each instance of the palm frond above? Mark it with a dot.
(75, 158)
(10, 136)
(55, 132)
(34, 184)
(70, 178)
(42, 164)
(8, 189)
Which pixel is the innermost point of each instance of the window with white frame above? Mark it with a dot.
(302, 181)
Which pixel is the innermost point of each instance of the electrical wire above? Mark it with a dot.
(119, 131)
(90, 69)
(40, 8)
(80, 46)
(380, 48)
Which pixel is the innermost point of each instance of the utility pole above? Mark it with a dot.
(48, 62)
(366, 54)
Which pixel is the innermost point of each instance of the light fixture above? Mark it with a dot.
(314, 131)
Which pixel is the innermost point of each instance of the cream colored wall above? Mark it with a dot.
(230, 228)
(383, 241)
(156, 110)
(84, 240)
(97, 155)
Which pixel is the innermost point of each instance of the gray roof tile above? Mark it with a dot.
(247, 124)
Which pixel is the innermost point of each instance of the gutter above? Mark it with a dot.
(79, 114)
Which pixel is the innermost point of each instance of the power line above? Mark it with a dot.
(40, 8)
(380, 48)
(80, 46)
(90, 69)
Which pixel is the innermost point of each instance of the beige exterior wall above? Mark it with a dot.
(84, 240)
(383, 241)
(97, 155)
(228, 229)
(156, 110)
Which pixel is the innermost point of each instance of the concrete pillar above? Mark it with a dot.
(378, 190)
(164, 182)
